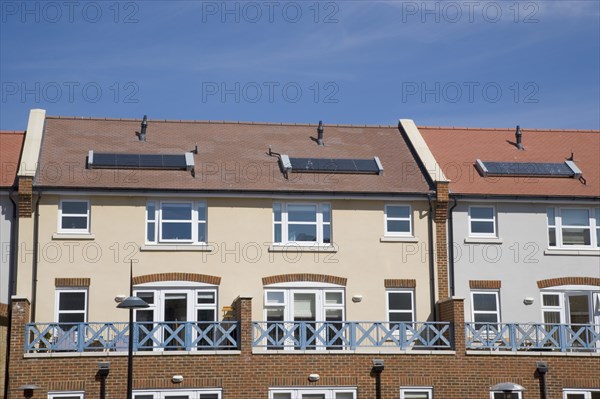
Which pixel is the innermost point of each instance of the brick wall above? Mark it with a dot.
(245, 375)
(3, 343)
(441, 247)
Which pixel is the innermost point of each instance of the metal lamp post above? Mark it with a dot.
(131, 303)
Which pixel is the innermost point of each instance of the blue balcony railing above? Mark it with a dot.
(334, 335)
(533, 336)
(147, 336)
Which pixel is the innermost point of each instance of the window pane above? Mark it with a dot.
(486, 318)
(275, 314)
(398, 226)
(282, 395)
(206, 297)
(209, 396)
(482, 212)
(74, 207)
(177, 231)
(327, 234)
(400, 300)
(151, 234)
(575, 396)
(206, 315)
(575, 217)
(74, 222)
(326, 209)
(150, 211)
(144, 315)
(552, 317)
(302, 232)
(277, 233)
(177, 211)
(482, 227)
(576, 236)
(484, 302)
(302, 213)
(333, 298)
(344, 395)
(72, 301)
(417, 395)
(551, 300)
(552, 237)
(201, 211)
(148, 297)
(276, 297)
(550, 214)
(333, 315)
(202, 232)
(395, 211)
(401, 317)
(277, 212)
(71, 318)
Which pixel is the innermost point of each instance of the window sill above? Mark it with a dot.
(565, 251)
(189, 247)
(483, 240)
(398, 239)
(73, 236)
(302, 248)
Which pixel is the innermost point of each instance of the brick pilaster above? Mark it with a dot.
(19, 318)
(453, 311)
(242, 312)
(441, 250)
(25, 196)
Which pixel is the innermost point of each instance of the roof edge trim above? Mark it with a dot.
(33, 142)
(422, 149)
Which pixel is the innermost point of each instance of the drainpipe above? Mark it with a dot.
(378, 366)
(542, 369)
(12, 278)
(431, 259)
(451, 247)
(36, 222)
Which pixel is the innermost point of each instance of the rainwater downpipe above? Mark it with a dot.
(451, 247)
(36, 222)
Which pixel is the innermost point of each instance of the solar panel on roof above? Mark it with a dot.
(139, 161)
(528, 169)
(330, 165)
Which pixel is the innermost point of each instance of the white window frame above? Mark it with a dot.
(387, 218)
(67, 394)
(593, 294)
(191, 293)
(58, 312)
(60, 229)
(494, 234)
(405, 390)
(560, 308)
(587, 393)
(593, 226)
(518, 393)
(320, 223)
(192, 393)
(329, 392)
(474, 312)
(157, 221)
(321, 306)
(402, 291)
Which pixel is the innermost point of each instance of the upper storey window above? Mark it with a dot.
(74, 216)
(176, 222)
(573, 227)
(301, 223)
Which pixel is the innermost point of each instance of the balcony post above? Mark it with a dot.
(452, 310)
(18, 340)
(242, 313)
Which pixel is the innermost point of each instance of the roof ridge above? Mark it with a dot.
(209, 121)
(502, 129)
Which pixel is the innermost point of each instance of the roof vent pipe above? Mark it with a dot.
(144, 127)
(519, 138)
(320, 133)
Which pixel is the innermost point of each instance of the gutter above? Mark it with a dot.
(431, 259)
(451, 246)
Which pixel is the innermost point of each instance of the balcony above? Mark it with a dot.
(338, 335)
(148, 336)
(533, 337)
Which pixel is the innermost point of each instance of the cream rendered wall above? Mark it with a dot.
(240, 229)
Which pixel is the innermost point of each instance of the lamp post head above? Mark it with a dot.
(28, 389)
(133, 302)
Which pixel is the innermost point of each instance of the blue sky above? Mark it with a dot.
(451, 63)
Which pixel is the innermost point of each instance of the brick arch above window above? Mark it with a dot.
(554, 282)
(317, 278)
(173, 276)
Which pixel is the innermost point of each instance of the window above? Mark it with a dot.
(573, 227)
(312, 393)
(65, 395)
(176, 222)
(485, 308)
(74, 216)
(398, 220)
(71, 305)
(416, 393)
(301, 224)
(571, 307)
(482, 221)
(581, 394)
(400, 305)
(178, 394)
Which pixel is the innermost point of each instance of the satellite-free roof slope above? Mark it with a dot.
(10, 152)
(231, 156)
(457, 150)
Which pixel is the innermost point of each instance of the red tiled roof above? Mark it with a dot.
(231, 156)
(457, 149)
(11, 143)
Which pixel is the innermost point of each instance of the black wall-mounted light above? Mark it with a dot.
(28, 390)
